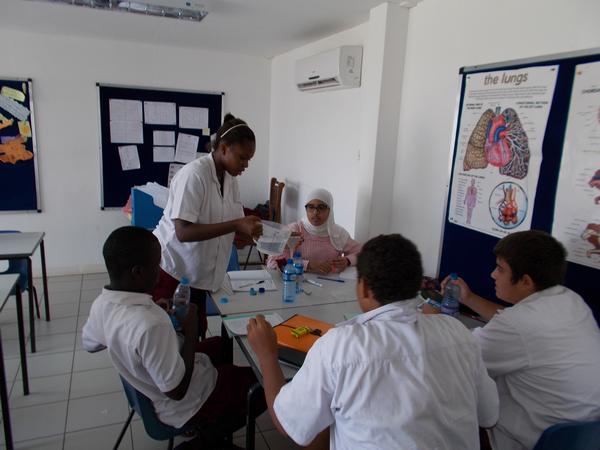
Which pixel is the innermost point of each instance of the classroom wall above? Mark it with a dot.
(64, 72)
(444, 35)
(315, 137)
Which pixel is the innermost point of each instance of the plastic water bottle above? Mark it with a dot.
(181, 300)
(299, 266)
(450, 302)
(289, 282)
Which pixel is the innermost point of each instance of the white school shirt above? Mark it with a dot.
(544, 354)
(391, 378)
(143, 347)
(195, 196)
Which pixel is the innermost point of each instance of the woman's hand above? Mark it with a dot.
(250, 225)
(339, 264)
(322, 267)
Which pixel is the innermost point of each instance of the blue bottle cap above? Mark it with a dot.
(290, 261)
(252, 291)
(184, 281)
(453, 276)
(261, 290)
(224, 300)
(297, 254)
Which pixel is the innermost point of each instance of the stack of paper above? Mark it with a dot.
(238, 324)
(243, 280)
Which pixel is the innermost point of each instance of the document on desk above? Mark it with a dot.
(243, 280)
(238, 324)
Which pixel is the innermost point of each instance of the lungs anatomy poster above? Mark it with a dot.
(499, 148)
(577, 209)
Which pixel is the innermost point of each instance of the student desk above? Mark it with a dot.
(23, 246)
(8, 282)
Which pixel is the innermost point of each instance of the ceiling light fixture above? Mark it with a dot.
(175, 9)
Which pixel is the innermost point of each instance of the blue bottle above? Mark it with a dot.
(181, 300)
(289, 282)
(450, 302)
(299, 266)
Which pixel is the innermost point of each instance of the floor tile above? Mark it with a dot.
(84, 308)
(259, 442)
(95, 382)
(97, 283)
(38, 421)
(59, 310)
(276, 441)
(10, 348)
(47, 443)
(56, 287)
(264, 422)
(55, 326)
(41, 390)
(55, 343)
(100, 410)
(49, 364)
(79, 342)
(11, 367)
(58, 298)
(95, 276)
(141, 441)
(90, 295)
(60, 278)
(81, 320)
(89, 361)
(101, 438)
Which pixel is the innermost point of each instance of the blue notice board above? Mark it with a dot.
(18, 154)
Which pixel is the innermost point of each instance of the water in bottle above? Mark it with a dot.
(450, 302)
(181, 300)
(289, 282)
(299, 266)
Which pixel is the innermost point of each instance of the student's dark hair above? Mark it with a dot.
(534, 253)
(391, 267)
(234, 131)
(127, 247)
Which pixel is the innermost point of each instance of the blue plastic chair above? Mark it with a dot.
(572, 436)
(142, 405)
(20, 266)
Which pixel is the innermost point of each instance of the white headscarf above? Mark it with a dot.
(337, 234)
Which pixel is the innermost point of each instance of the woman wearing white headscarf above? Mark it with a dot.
(326, 246)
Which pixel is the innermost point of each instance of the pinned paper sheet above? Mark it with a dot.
(126, 132)
(173, 169)
(13, 108)
(187, 144)
(163, 138)
(130, 159)
(12, 93)
(205, 131)
(239, 324)
(160, 113)
(125, 110)
(25, 129)
(195, 118)
(163, 154)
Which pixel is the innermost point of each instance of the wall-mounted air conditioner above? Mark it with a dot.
(334, 69)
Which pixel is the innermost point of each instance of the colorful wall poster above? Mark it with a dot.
(499, 149)
(577, 208)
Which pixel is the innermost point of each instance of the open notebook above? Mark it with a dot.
(243, 280)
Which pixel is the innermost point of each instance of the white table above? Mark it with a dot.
(23, 246)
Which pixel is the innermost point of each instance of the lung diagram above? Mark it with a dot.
(499, 139)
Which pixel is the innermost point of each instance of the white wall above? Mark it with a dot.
(315, 137)
(64, 72)
(443, 36)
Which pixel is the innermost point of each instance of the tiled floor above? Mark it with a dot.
(76, 400)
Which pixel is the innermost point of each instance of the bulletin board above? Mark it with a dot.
(148, 134)
(526, 155)
(19, 181)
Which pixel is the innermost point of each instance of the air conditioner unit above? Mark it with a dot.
(334, 69)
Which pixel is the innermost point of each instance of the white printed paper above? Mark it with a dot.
(125, 110)
(499, 148)
(130, 159)
(243, 280)
(160, 113)
(173, 169)
(186, 147)
(196, 118)
(161, 138)
(163, 154)
(239, 324)
(577, 209)
(126, 132)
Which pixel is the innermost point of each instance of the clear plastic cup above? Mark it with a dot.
(273, 239)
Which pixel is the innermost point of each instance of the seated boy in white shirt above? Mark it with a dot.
(185, 387)
(390, 378)
(543, 352)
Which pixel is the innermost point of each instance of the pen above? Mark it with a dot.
(332, 279)
(313, 282)
(251, 284)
